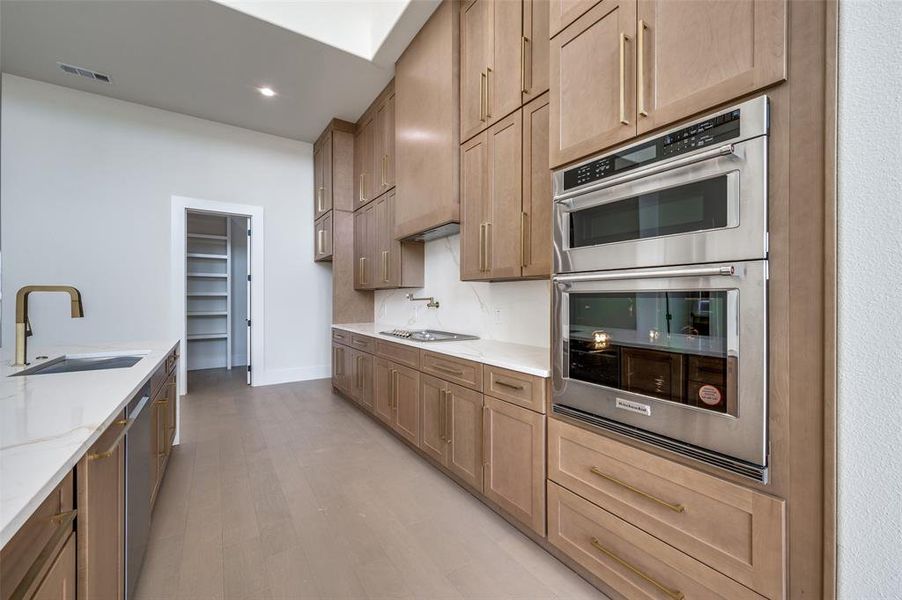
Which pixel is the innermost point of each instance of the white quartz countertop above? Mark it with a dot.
(48, 422)
(516, 357)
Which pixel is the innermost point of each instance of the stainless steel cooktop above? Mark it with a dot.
(428, 335)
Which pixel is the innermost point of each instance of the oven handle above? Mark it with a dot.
(726, 150)
(727, 271)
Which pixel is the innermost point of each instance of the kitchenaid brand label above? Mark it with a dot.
(642, 409)
(709, 394)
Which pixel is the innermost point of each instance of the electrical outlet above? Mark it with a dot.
(499, 316)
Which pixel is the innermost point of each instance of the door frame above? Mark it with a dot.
(178, 320)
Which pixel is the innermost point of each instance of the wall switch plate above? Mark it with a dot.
(499, 316)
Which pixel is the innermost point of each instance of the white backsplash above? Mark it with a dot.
(512, 311)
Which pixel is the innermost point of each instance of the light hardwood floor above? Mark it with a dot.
(288, 491)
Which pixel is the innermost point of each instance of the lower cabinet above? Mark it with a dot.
(100, 477)
(397, 402)
(451, 428)
(163, 428)
(59, 583)
(322, 230)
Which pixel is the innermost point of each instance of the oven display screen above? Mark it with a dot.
(637, 157)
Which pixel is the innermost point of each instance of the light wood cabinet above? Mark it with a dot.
(504, 234)
(593, 101)
(535, 48)
(322, 176)
(383, 400)
(60, 581)
(364, 247)
(514, 458)
(341, 367)
(332, 185)
(100, 488)
(395, 264)
(364, 153)
(384, 145)
(427, 110)
(163, 430)
(564, 12)
(397, 398)
(463, 372)
(322, 238)
(493, 61)
(696, 55)
(451, 428)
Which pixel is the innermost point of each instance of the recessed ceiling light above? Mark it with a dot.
(267, 91)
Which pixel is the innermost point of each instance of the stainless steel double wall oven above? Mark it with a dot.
(660, 289)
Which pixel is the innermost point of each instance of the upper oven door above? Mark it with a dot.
(710, 206)
(676, 351)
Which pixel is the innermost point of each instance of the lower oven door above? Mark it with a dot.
(675, 356)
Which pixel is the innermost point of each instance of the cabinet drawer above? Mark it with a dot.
(50, 523)
(342, 337)
(405, 355)
(524, 390)
(626, 558)
(158, 379)
(735, 530)
(363, 343)
(455, 370)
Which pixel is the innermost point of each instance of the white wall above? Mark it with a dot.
(515, 311)
(870, 301)
(86, 193)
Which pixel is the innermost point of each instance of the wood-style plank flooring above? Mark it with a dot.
(288, 491)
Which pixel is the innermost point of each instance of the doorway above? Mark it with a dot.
(217, 292)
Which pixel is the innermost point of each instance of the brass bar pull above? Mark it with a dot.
(360, 189)
(449, 416)
(674, 594)
(360, 270)
(523, 43)
(40, 564)
(486, 432)
(482, 96)
(674, 507)
(640, 81)
(385, 266)
(448, 370)
(127, 425)
(488, 247)
(441, 414)
(488, 93)
(623, 40)
(395, 388)
(524, 247)
(319, 241)
(481, 232)
(512, 386)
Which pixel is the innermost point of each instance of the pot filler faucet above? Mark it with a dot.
(430, 301)
(23, 326)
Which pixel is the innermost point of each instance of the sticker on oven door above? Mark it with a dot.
(642, 409)
(709, 394)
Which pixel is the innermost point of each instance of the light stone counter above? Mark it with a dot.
(516, 357)
(48, 422)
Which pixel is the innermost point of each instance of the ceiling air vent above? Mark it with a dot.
(73, 70)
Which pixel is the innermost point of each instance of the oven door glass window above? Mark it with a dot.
(672, 345)
(692, 207)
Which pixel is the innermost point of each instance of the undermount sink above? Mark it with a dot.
(72, 364)
(428, 335)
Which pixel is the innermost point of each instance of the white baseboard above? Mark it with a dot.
(276, 376)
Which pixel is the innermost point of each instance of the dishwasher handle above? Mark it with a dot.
(128, 425)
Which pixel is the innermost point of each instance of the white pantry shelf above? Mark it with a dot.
(208, 294)
(207, 236)
(196, 337)
(199, 275)
(208, 256)
(208, 313)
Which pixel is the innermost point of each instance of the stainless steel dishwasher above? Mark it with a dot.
(137, 487)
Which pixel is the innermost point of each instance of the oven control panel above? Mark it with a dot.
(713, 130)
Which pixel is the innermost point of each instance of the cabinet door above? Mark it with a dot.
(101, 516)
(383, 401)
(340, 367)
(322, 239)
(406, 390)
(59, 582)
(433, 440)
(382, 247)
(364, 242)
(534, 47)
(318, 189)
(514, 457)
(388, 142)
(364, 156)
(696, 55)
(327, 174)
(365, 364)
(474, 199)
(564, 12)
(173, 410)
(475, 39)
(505, 73)
(536, 225)
(505, 142)
(359, 167)
(463, 432)
(592, 82)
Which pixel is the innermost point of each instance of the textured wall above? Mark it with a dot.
(870, 301)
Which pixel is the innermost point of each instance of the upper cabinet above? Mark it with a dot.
(332, 184)
(427, 139)
(385, 143)
(364, 151)
(743, 49)
(374, 149)
(503, 63)
(620, 68)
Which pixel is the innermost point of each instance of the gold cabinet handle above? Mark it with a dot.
(623, 40)
(483, 93)
(674, 594)
(112, 449)
(449, 414)
(640, 81)
(394, 376)
(481, 245)
(384, 160)
(449, 370)
(524, 247)
(488, 247)
(441, 414)
(319, 199)
(524, 42)
(385, 266)
(512, 386)
(488, 93)
(674, 507)
(486, 432)
(360, 372)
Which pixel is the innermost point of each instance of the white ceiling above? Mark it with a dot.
(205, 59)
